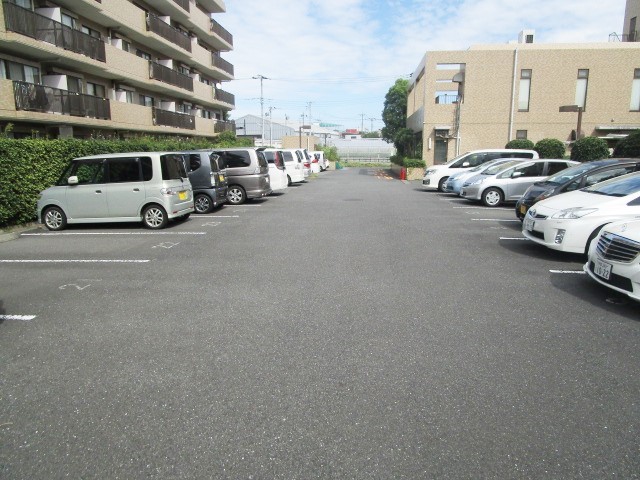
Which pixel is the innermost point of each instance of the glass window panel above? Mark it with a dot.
(635, 95)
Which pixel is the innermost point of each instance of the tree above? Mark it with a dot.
(394, 116)
(550, 148)
(589, 148)
(628, 147)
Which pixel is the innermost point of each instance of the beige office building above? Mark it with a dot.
(113, 68)
(487, 95)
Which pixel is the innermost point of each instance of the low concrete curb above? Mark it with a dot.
(14, 232)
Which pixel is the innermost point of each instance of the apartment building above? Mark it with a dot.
(113, 68)
(487, 95)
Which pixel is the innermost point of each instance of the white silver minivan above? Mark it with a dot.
(147, 187)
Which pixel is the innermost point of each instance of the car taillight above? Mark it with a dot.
(315, 160)
(307, 165)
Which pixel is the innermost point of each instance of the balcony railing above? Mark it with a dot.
(173, 119)
(34, 25)
(40, 98)
(170, 76)
(225, 97)
(183, 3)
(222, 126)
(221, 32)
(447, 99)
(156, 25)
(218, 62)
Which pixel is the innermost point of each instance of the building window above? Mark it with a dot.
(24, 4)
(635, 91)
(521, 134)
(525, 90)
(146, 100)
(17, 71)
(581, 88)
(68, 20)
(74, 84)
(143, 54)
(95, 90)
(90, 31)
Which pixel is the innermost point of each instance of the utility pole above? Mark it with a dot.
(372, 119)
(362, 127)
(271, 125)
(261, 78)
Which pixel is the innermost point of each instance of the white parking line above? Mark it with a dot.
(218, 216)
(485, 208)
(493, 220)
(108, 233)
(576, 272)
(23, 318)
(515, 238)
(73, 261)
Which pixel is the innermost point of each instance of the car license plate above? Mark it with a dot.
(528, 224)
(602, 269)
(182, 195)
(523, 210)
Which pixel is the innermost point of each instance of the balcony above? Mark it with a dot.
(173, 119)
(39, 98)
(224, 97)
(183, 4)
(447, 99)
(218, 62)
(218, 30)
(222, 126)
(170, 76)
(166, 31)
(25, 22)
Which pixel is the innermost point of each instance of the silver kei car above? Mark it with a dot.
(507, 182)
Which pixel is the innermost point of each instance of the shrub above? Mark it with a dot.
(520, 143)
(589, 148)
(414, 163)
(629, 147)
(397, 160)
(550, 148)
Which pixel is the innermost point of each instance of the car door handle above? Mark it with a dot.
(98, 191)
(136, 189)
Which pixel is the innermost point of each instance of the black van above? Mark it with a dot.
(208, 180)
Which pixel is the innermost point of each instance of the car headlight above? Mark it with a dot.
(575, 212)
(477, 182)
(429, 172)
(543, 195)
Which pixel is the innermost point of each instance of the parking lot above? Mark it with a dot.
(352, 327)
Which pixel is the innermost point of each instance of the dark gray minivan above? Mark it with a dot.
(247, 173)
(208, 180)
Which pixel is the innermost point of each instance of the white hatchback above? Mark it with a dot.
(277, 174)
(614, 258)
(570, 221)
(293, 166)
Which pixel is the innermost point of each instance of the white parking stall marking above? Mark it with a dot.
(22, 318)
(211, 224)
(515, 238)
(484, 208)
(55, 234)
(493, 220)
(219, 216)
(574, 272)
(78, 287)
(74, 261)
(166, 245)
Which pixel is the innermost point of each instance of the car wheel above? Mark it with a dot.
(236, 195)
(492, 197)
(54, 219)
(154, 217)
(441, 183)
(202, 203)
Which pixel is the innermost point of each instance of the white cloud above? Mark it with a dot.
(344, 55)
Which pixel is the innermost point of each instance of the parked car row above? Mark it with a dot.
(156, 187)
(589, 208)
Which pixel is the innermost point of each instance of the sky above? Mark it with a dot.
(333, 61)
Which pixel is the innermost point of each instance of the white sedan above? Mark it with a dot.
(614, 258)
(570, 221)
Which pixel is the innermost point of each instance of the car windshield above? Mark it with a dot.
(493, 170)
(457, 158)
(616, 187)
(570, 173)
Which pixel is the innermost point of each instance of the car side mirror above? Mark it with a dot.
(73, 180)
(517, 174)
(466, 164)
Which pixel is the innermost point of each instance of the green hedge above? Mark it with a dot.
(28, 166)
(407, 162)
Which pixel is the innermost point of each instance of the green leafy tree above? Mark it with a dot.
(550, 148)
(394, 116)
(589, 148)
(520, 143)
(628, 147)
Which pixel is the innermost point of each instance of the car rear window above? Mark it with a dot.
(172, 166)
(213, 160)
(288, 156)
(262, 161)
(236, 159)
(271, 157)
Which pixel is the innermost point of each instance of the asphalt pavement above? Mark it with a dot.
(352, 327)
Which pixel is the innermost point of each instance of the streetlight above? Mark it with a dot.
(574, 108)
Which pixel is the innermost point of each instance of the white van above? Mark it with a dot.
(293, 166)
(277, 174)
(436, 176)
(147, 187)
